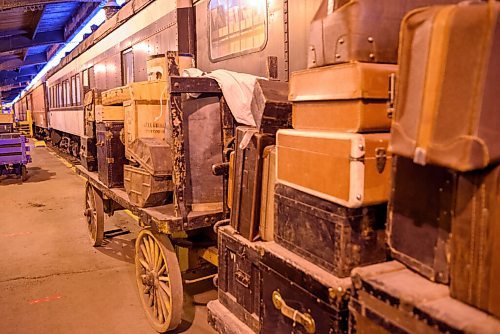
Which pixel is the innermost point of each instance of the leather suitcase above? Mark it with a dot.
(475, 242)
(388, 298)
(270, 106)
(447, 92)
(419, 223)
(327, 234)
(342, 82)
(359, 115)
(110, 153)
(299, 297)
(239, 280)
(266, 224)
(245, 213)
(146, 190)
(88, 153)
(361, 30)
(349, 169)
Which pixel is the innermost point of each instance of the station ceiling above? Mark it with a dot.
(31, 32)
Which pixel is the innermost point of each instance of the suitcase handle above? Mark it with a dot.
(304, 319)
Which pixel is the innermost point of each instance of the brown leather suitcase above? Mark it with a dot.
(419, 223)
(329, 235)
(239, 279)
(360, 115)
(299, 297)
(447, 92)
(270, 106)
(361, 30)
(266, 224)
(388, 298)
(245, 213)
(110, 153)
(146, 190)
(349, 169)
(88, 153)
(475, 242)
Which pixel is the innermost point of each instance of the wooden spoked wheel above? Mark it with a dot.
(159, 280)
(94, 214)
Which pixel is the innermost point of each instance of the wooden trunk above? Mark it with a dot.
(327, 234)
(239, 277)
(346, 168)
(146, 190)
(299, 297)
(110, 153)
(88, 153)
(388, 298)
(109, 113)
(245, 213)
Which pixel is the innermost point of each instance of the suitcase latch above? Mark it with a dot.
(305, 319)
(381, 158)
(242, 278)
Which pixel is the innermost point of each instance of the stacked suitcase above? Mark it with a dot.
(444, 223)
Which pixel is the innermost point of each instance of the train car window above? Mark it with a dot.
(86, 80)
(127, 67)
(59, 96)
(67, 94)
(236, 27)
(73, 90)
(78, 87)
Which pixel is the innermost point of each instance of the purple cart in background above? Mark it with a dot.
(14, 154)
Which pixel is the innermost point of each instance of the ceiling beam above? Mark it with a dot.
(23, 71)
(36, 59)
(14, 32)
(35, 24)
(10, 81)
(21, 42)
(8, 88)
(80, 18)
(11, 4)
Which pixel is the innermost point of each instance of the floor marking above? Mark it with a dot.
(44, 299)
(128, 212)
(15, 234)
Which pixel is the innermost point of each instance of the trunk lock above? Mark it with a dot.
(381, 158)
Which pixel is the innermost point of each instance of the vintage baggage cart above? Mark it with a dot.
(475, 240)
(388, 298)
(361, 30)
(349, 169)
(110, 153)
(177, 223)
(299, 297)
(146, 190)
(329, 235)
(447, 93)
(420, 215)
(266, 223)
(245, 213)
(240, 281)
(88, 153)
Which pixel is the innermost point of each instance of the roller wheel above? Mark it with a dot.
(159, 280)
(94, 213)
(24, 173)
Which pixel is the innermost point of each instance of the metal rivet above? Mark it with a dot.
(370, 39)
(312, 48)
(337, 56)
(361, 147)
(341, 41)
(358, 197)
(371, 56)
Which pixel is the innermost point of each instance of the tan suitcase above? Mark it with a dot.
(266, 226)
(343, 115)
(349, 169)
(144, 189)
(342, 82)
(448, 88)
(109, 113)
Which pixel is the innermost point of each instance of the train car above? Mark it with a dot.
(39, 110)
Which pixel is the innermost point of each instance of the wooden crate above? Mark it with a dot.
(144, 189)
(109, 113)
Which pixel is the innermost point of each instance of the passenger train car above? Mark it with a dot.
(221, 34)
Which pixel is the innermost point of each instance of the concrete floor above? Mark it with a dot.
(52, 280)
